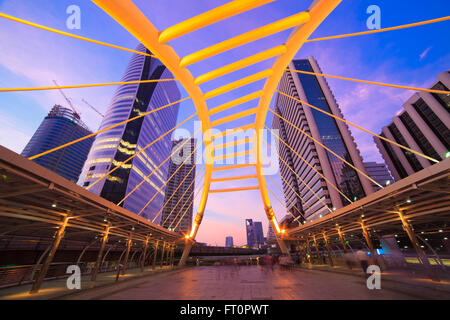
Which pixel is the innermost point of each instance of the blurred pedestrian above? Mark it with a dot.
(363, 259)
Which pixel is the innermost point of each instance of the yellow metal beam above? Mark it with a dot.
(233, 131)
(233, 155)
(256, 34)
(278, 50)
(234, 166)
(235, 116)
(233, 189)
(237, 84)
(215, 15)
(234, 103)
(252, 176)
(233, 143)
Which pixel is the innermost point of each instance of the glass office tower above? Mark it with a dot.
(334, 134)
(116, 145)
(255, 235)
(59, 127)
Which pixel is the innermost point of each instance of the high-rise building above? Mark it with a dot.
(334, 134)
(116, 145)
(178, 201)
(423, 125)
(229, 241)
(380, 173)
(59, 127)
(255, 234)
(270, 234)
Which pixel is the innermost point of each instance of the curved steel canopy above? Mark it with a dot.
(132, 19)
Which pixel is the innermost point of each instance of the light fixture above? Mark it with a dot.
(408, 200)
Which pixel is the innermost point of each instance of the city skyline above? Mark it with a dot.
(414, 66)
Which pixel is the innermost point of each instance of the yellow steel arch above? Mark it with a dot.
(131, 18)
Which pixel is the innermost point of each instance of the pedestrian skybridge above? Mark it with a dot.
(28, 191)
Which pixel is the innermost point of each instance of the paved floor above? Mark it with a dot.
(245, 282)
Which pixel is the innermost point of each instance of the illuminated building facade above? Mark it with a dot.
(116, 145)
(59, 127)
(179, 205)
(319, 197)
(424, 126)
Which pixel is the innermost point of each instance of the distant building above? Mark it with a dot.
(255, 235)
(112, 147)
(311, 194)
(380, 173)
(424, 126)
(270, 234)
(229, 242)
(60, 126)
(178, 210)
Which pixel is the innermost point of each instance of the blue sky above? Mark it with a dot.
(30, 57)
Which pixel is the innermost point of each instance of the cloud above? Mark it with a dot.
(12, 134)
(425, 53)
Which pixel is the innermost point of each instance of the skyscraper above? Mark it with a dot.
(60, 126)
(380, 173)
(116, 145)
(255, 234)
(332, 133)
(178, 202)
(229, 241)
(424, 126)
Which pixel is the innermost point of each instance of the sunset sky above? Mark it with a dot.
(31, 57)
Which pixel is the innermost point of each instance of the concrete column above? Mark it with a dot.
(437, 108)
(368, 239)
(427, 132)
(398, 152)
(100, 254)
(57, 240)
(420, 253)
(325, 238)
(410, 141)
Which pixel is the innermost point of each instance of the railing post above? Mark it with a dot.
(144, 255)
(420, 253)
(58, 236)
(100, 254)
(155, 255)
(327, 245)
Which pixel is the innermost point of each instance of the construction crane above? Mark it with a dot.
(92, 107)
(75, 112)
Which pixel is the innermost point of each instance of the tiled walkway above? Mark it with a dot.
(246, 282)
